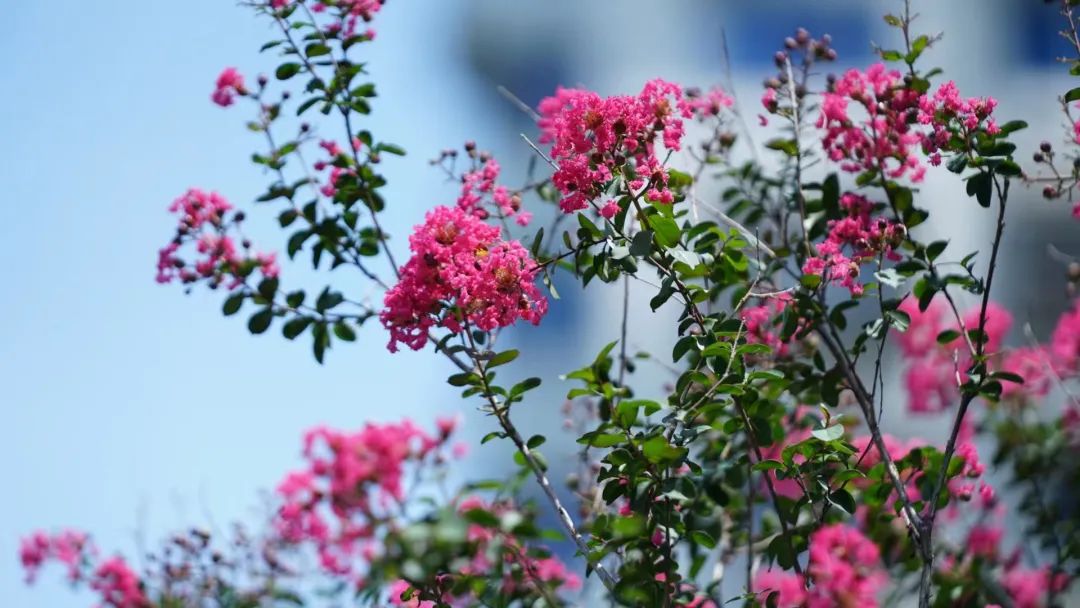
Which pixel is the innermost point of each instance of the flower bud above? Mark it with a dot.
(1045, 147)
(1074, 271)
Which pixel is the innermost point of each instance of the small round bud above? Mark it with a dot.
(802, 35)
(830, 55)
(286, 95)
(1074, 271)
(1045, 146)
(1038, 157)
(239, 217)
(470, 146)
(262, 79)
(1049, 192)
(790, 43)
(304, 127)
(779, 58)
(246, 244)
(826, 39)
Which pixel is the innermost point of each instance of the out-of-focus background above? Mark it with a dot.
(129, 409)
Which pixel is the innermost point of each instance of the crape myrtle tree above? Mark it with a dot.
(768, 448)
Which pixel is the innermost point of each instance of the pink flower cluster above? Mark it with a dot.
(1027, 587)
(885, 136)
(479, 182)
(69, 548)
(230, 83)
(1065, 341)
(461, 274)
(852, 241)
(761, 325)
(594, 139)
(204, 222)
(350, 13)
(337, 163)
(114, 581)
(947, 113)
(711, 103)
(931, 372)
(845, 568)
(351, 482)
(118, 585)
(962, 486)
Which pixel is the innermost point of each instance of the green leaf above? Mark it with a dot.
(898, 319)
(844, 499)
(641, 245)
(703, 539)
(658, 451)
(588, 226)
(831, 433)
(295, 327)
(344, 332)
(502, 358)
(603, 440)
(536, 441)
(316, 49)
(286, 71)
(232, 304)
(1008, 377)
(260, 321)
(947, 336)
(463, 379)
(667, 231)
(787, 146)
(525, 385)
(1013, 126)
(980, 186)
(1073, 94)
(781, 548)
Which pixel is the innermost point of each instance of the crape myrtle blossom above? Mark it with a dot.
(844, 568)
(462, 273)
(949, 115)
(595, 139)
(114, 582)
(478, 186)
(349, 14)
(69, 548)
(711, 103)
(351, 482)
(761, 325)
(932, 368)
(853, 240)
(205, 224)
(230, 83)
(1065, 341)
(882, 137)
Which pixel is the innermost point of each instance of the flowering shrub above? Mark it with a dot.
(792, 290)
